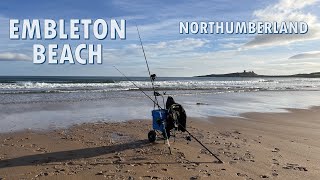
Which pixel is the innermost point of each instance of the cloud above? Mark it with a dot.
(174, 68)
(173, 9)
(9, 56)
(285, 11)
(172, 48)
(177, 46)
(307, 55)
(231, 45)
(168, 58)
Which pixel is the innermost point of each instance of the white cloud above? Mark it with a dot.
(307, 55)
(294, 4)
(9, 56)
(177, 46)
(161, 49)
(286, 10)
(231, 45)
(168, 58)
(174, 68)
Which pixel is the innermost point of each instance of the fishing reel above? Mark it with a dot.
(157, 93)
(153, 77)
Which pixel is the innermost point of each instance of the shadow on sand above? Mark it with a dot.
(62, 156)
(71, 154)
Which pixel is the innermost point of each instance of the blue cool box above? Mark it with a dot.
(158, 116)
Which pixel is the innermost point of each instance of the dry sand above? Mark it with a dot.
(256, 146)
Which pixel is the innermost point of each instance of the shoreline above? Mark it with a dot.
(205, 118)
(280, 145)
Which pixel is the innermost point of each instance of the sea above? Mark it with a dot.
(41, 103)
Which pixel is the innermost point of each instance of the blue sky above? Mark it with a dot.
(170, 53)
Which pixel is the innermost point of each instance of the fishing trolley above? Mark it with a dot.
(159, 125)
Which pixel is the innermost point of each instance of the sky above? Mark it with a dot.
(170, 53)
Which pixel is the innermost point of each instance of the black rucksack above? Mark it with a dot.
(178, 117)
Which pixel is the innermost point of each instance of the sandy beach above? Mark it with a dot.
(253, 146)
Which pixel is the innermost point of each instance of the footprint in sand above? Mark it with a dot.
(194, 177)
(167, 178)
(242, 175)
(275, 174)
(276, 150)
(150, 177)
(227, 153)
(294, 167)
(264, 176)
(164, 169)
(190, 168)
(232, 162)
(275, 162)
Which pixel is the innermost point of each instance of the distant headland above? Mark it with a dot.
(253, 74)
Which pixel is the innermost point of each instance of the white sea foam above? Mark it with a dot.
(222, 84)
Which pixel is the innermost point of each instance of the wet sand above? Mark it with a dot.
(255, 146)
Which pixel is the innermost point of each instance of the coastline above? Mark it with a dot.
(256, 145)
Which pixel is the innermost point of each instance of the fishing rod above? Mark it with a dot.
(156, 103)
(152, 76)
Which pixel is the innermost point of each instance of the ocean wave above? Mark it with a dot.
(164, 85)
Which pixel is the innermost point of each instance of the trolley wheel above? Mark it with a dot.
(152, 136)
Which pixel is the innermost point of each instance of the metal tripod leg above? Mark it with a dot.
(166, 137)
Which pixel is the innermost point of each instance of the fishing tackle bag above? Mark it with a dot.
(178, 117)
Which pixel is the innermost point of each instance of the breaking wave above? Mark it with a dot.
(214, 84)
